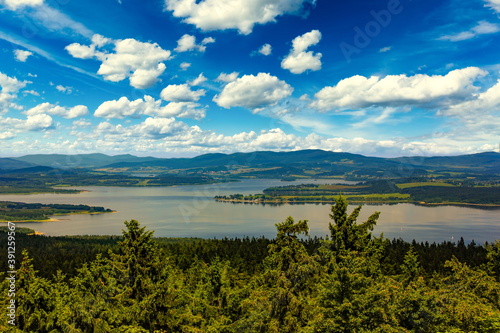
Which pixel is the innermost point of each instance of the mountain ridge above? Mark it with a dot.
(485, 161)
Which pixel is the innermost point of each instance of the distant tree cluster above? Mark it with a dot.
(349, 282)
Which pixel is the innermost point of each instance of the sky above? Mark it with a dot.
(172, 78)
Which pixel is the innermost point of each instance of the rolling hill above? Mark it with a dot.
(325, 161)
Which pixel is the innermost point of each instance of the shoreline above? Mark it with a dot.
(51, 219)
(418, 203)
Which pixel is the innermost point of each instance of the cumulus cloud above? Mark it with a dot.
(56, 110)
(10, 86)
(266, 49)
(487, 101)
(493, 4)
(188, 43)
(33, 123)
(6, 135)
(183, 110)
(184, 66)
(37, 122)
(17, 4)
(478, 116)
(211, 15)
(482, 28)
(22, 55)
(63, 89)
(299, 59)
(123, 107)
(152, 127)
(181, 93)
(199, 80)
(141, 62)
(253, 92)
(224, 77)
(398, 90)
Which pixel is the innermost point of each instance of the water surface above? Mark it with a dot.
(189, 211)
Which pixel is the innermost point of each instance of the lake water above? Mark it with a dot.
(189, 211)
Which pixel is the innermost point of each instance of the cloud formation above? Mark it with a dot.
(22, 55)
(181, 93)
(253, 92)
(398, 90)
(188, 43)
(482, 28)
(140, 62)
(211, 15)
(56, 110)
(18, 4)
(266, 49)
(123, 107)
(299, 59)
(493, 4)
(10, 86)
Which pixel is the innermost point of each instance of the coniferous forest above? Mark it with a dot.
(351, 281)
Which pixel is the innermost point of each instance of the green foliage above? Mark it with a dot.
(351, 282)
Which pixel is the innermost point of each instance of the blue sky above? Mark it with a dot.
(184, 77)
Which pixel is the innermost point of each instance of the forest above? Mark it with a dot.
(420, 190)
(349, 281)
(20, 211)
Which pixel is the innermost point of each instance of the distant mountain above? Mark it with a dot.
(79, 160)
(33, 169)
(265, 158)
(327, 161)
(11, 164)
(488, 161)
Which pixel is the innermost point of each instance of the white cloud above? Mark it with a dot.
(81, 123)
(478, 116)
(199, 80)
(141, 62)
(266, 49)
(38, 122)
(385, 49)
(160, 127)
(124, 108)
(17, 4)
(482, 28)
(31, 92)
(397, 90)
(299, 59)
(33, 123)
(181, 93)
(63, 89)
(223, 77)
(188, 43)
(494, 4)
(253, 92)
(148, 106)
(55, 20)
(10, 86)
(153, 128)
(41, 14)
(182, 110)
(22, 55)
(6, 135)
(56, 110)
(184, 66)
(232, 14)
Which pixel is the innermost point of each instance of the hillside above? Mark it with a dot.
(79, 160)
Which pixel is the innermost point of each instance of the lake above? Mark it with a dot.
(190, 211)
